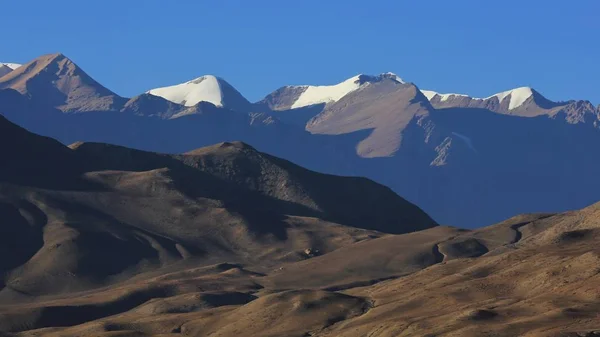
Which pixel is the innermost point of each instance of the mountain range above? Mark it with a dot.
(466, 161)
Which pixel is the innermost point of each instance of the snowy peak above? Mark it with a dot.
(517, 96)
(12, 66)
(327, 93)
(523, 102)
(332, 93)
(208, 88)
(202, 89)
(443, 97)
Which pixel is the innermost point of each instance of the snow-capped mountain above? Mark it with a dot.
(516, 97)
(523, 102)
(300, 96)
(206, 88)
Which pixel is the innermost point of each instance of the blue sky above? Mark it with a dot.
(467, 46)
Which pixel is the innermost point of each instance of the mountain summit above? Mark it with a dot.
(522, 102)
(516, 97)
(208, 88)
(53, 80)
(299, 96)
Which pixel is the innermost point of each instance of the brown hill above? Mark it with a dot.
(55, 81)
(114, 216)
(532, 275)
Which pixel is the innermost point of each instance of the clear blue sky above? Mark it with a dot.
(478, 47)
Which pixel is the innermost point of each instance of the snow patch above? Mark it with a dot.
(326, 93)
(393, 77)
(202, 89)
(12, 66)
(518, 96)
(429, 94)
(443, 97)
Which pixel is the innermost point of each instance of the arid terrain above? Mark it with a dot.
(101, 240)
(300, 168)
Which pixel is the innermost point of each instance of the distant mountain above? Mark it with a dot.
(294, 97)
(383, 109)
(438, 150)
(150, 122)
(139, 122)
(210, 89)
(55, 81)
(148, 105)
(299, 104)
(524, 102)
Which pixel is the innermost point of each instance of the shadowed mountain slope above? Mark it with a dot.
(227, 202)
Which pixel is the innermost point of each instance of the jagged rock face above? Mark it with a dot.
(580, 112)
(530, 104)
(282, 98)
